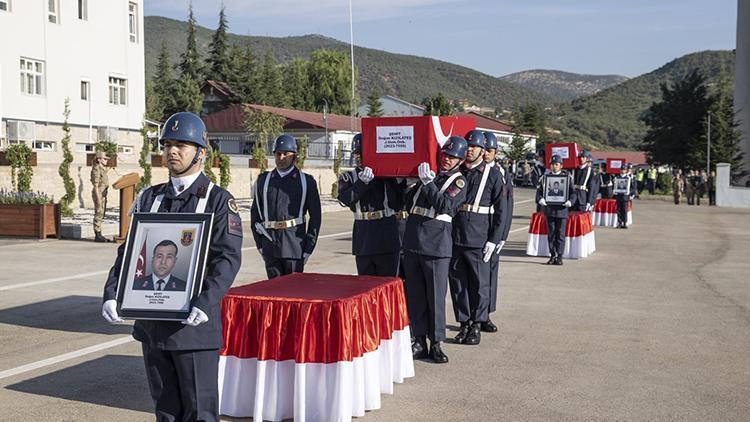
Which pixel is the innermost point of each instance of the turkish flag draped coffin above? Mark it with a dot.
(614, 165)
(579, 236)
(568, 151)
(605, 213)
(395, 146)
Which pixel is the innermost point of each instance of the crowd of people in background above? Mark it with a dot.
(694, 184)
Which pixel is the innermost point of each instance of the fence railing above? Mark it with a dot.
(243, 145)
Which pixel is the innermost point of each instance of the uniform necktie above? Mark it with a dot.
(160, 285)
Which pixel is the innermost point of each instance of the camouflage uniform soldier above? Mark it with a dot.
(100, 183)
(678, 186)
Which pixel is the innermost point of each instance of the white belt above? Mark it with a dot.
(286, 224)
(477, 209)
(581, 187)
(426, 212)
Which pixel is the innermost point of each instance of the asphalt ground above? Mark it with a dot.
(653, 326)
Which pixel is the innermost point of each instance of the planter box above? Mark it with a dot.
(24, 220)
(90, 160)
(5, 162)
(253, 164)
(157, 160)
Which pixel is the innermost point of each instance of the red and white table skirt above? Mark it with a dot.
(579, 236)
(313, 347)
(605, 213)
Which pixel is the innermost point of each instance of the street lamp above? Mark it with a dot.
(325, 120)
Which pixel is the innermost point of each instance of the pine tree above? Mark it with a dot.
(218, 59)
(517, 148)
(531, 118)
(190, 64)
(297, 84)
(438, 105)
(64, 169)
(725, 134)
(330, 78)
(271, 83)
(164, 85)
(374, 106)
(187, 95)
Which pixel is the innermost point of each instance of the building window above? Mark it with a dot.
(32, 76)
(85, 147)
(124, 149)
(133, 21)
(5, 5)
(43, 145)
(85, 90)
(118, 91)
(83, 10)
(53, 11)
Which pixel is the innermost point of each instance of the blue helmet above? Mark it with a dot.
(475, 138)
(455, 146)
(584, 153)
(556, 159)
(285, 143)
(490, 140)
(186, 127)
(357, 144)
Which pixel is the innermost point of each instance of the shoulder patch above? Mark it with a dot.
(233, 206)
(234, 224)
(453, 191)
(460, 183)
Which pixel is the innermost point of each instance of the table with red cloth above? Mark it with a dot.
(605, 212)
(313, 347)
(579, 236)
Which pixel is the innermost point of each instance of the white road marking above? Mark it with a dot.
(524, 201)
(66, 356)
(326, 236)
(52, 280)
(518, 229)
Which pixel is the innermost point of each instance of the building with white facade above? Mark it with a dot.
(90, 52)
(742, 78)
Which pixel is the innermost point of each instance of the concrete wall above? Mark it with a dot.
(47, 180)
(727, 195)
(742, 77)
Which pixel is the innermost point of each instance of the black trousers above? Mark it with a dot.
(183, 383)
(622, 210)
(469, 284)
(494, 282)
(426, 285)
(380, 265)
(276, 267)
(712, 197)
(556, 235)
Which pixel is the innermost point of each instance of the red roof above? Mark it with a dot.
(485, 122)
(231, 119)
(632, 157)
(220, 87)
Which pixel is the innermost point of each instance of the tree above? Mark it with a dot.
(187, 95)
(675, 124)
(18, 155)
(154, 108)
(218, 60)
(725, 135)
(532, 118)
(330, 78)
(144, 160)
(243, 75)
(163, 86)
(262, 126)
(337, 160)
(208, 164)
(374, 106)
(302, 151)
(190, 63)
(297, 84)
(517, 148)
(64, 169)
(438, 105)
(271, 83)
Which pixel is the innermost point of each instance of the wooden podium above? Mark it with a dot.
(126, 185)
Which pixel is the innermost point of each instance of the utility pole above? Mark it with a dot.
(325, 119)
(351, 44)
(708, 146)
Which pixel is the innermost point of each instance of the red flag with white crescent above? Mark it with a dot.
(140, 267)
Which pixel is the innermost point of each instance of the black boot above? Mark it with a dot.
(99, 238)
(551, 260)
(462, 332)
(558, 261)
(488, 326)
(419, 348)
(436, 353)
(475, 335)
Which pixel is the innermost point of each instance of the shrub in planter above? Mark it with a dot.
(28, 214)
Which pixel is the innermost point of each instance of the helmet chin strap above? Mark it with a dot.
(195, 161)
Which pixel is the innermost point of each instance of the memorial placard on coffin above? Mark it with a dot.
(568, 151)
(614, 165)
(395, 146)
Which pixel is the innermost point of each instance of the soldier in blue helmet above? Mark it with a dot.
(586, 185)
(283, 199)
(477, 231)
(376, 203)
(626, 186)
(556, 214)
(428, 247)
(182, 357)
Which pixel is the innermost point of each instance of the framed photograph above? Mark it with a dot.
(163, 265)
(556, 189)
(621, 186)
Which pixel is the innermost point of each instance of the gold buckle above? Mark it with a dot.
(281, 224)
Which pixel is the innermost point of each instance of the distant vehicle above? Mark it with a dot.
(527, 173)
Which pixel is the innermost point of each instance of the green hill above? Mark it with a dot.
(611, 116)
(563, 86)
(409, 77)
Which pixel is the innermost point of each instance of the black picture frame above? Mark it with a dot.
(137, 297)
(549, 189)
(621, 185)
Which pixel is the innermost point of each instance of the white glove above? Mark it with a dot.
(588, 207)
(425, 174)
(500, 247)
(567, 204)
(196, 317)
(489, 248)
(109, 312)
(305, 257)
(366, 175)
(542, 202)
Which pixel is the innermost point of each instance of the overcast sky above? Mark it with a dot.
(626, 37)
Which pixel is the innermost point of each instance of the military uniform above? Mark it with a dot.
(376, 243)
(100, 184)
(556, 216)
(507, 215)
(678, 186)
(622, 202)
(281, 232)
(585, 188)
(605, 184)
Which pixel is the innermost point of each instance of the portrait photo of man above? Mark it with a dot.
(162, 263)
(555, 190)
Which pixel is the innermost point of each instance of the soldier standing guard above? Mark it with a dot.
(428, 247)
(100, 184)
(182, 358)
(281, 200)
(585, 183)
(477, 232)
(623, 199)
(376, 243)
(556, 215)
